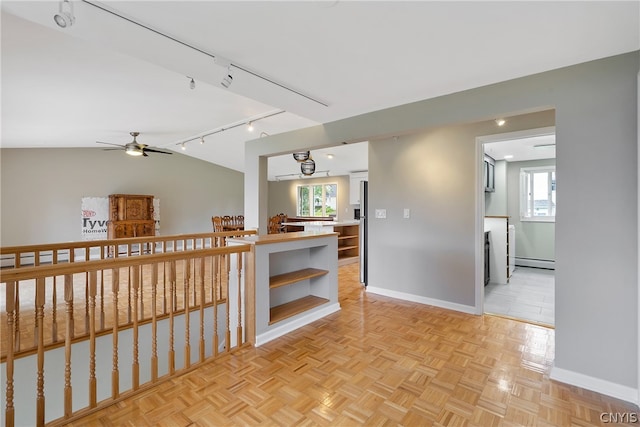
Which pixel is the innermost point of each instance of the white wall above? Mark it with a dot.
(595, 102)
(42, 189)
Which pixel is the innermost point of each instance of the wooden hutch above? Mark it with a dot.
(130, 215)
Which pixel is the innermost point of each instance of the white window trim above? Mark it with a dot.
(523, 194)
(324, 198)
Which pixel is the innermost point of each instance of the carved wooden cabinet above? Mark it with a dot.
(130, 215)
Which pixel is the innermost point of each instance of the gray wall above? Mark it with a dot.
(42, 189)
(438, 244)
(495, 202)
(533, 239)
(596, 261)
(283, 195)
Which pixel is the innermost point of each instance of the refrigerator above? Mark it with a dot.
(364, 268)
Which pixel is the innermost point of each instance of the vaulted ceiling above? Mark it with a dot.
(126, 66)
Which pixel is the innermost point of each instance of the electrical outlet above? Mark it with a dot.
(407, 213)
(381, 213)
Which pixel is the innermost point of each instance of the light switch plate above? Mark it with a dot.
(381, 213)
(407, 213)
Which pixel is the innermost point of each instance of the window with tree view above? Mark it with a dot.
(538, 194)
(318, 200)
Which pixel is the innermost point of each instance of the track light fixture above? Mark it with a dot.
(64, 18)
(201, 140)
(250, 126)
(184, 147)
(227, 80)
(192, 83)
(500, 122)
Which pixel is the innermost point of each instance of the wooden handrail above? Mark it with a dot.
(145, 293)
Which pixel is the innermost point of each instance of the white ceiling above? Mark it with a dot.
(523, 148)
(106, 76)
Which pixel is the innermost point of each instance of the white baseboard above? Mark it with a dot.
(536, 263)
(422, 300)
(295, 324)
(628, 394)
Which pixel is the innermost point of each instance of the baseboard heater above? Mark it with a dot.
(536, 263)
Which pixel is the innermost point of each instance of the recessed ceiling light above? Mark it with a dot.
(508, 156)
(330, 156)
(500, 122)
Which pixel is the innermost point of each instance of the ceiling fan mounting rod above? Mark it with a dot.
(239, 67)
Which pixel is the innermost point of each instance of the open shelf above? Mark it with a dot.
(292, 308)
(347, 237)
(344, 248)
(295, 276)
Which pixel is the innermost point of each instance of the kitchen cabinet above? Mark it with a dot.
(487, 257)
(489, 174)
(502, 248)
(354, 186)
(348, 236)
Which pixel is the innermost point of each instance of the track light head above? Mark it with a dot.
(201, 140)
(227, 80)
(64, 18)
(250, 126)
(192, 83)
(184, 147)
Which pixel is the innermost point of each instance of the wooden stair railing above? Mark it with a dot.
(199, 283)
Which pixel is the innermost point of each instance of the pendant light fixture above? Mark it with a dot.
(301, 156)
(308, 167)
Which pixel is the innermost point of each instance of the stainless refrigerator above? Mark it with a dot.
(364, 238)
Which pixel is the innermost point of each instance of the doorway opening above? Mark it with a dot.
(518, 198)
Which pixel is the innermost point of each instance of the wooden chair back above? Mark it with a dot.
(217, 223)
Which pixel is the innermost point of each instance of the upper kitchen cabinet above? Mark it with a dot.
(489, 174)
(354, 186)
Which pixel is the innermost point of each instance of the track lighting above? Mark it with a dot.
(192, 83)
(227, 80)
(184, 147)
(500, 122)
(201, 140)
(250, 126)
(62, 18)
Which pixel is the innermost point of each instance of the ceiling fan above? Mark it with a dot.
(134, 148)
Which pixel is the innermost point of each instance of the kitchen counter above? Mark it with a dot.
(321, 225)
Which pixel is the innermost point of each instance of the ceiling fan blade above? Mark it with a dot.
(144, 154)
(155, 150)
(112, 149)
(109, 143)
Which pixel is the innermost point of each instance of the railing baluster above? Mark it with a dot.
(17, 320)
(202, 302)
(154, 324)
(135, 367)
(172, 287)
(115, 374)
(239, 270)
(214, 263)
(40, 299)
(54, 302)
(68, 303)
(187, 323)
(102, 314)
(227, 275)
(11, 295)
(93, 279)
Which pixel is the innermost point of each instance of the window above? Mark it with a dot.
(318, 200)
(538, 194)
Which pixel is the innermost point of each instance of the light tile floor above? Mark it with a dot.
(529, 295)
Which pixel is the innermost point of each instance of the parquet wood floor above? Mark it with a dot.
(377, 362)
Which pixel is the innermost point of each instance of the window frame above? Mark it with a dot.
(527, 199)
(324, 200)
